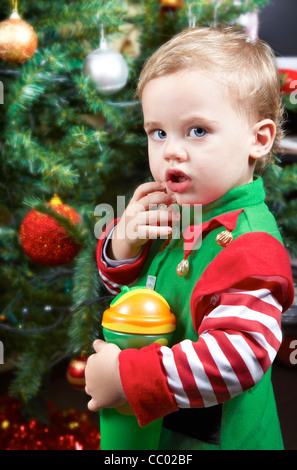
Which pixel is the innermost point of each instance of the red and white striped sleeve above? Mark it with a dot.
(116, 274)
(238, 321)
(239, 337)
(238, 340)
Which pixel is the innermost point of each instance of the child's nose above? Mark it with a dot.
(175, 150)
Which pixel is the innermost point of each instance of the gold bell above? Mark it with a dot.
(224, 238)
(182, 268)
(55, 200)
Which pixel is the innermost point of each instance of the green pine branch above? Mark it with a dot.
(89, 300)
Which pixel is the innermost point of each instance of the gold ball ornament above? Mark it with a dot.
(224, 238)
(172, 4)
(18, 40)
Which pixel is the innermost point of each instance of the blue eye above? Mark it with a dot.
(159, 134)
(198, 132)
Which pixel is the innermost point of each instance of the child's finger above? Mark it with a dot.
(155, 199)
(154, 217)
(147, 188)
(98, 344)
(146, 232)
(92, 405)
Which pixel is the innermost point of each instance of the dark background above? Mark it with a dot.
(278, 26)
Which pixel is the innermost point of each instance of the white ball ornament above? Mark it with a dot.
(107, 69)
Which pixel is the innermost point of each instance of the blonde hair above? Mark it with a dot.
(248, 69)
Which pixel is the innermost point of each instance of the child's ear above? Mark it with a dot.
(264, 134)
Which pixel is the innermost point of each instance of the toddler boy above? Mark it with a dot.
(212, 113)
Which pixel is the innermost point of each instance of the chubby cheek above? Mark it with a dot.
(157, 176)
(156, 170)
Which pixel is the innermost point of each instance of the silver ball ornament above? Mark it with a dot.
(107, 69)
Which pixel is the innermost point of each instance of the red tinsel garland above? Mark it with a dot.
(67, 430)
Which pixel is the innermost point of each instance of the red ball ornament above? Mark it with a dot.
(76, 372)
(18, 40)
(46, 242)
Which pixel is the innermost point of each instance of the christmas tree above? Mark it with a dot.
(71, 143)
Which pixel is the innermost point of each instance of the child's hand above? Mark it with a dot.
(102, 375)
(141, 221)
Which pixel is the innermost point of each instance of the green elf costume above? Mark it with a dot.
(213, 387)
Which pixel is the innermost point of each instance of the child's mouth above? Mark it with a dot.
(177, 181)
